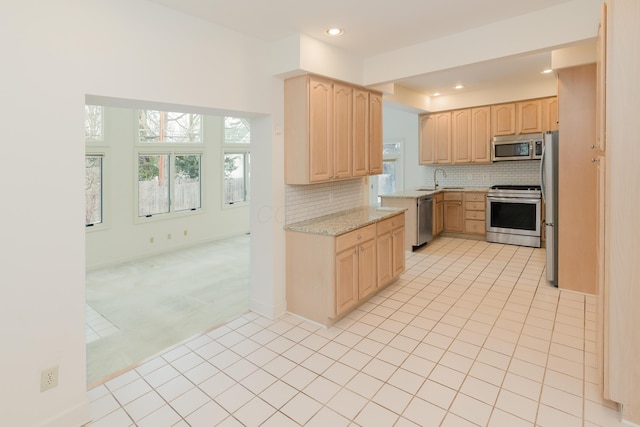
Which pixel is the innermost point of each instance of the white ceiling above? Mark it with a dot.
(376, 26)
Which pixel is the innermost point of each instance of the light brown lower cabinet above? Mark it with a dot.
(438, 214)
(453, 212)
(474, 213)
(391, 258)
(327, 276)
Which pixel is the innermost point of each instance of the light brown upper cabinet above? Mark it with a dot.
(375, 133)
(333, 130)
(550, 113)
(503, 117)
(435, 138)
(343, 106)
(427, 147)
(443, 137)
(481, 135)
(529, 116)
(461, 136)
(464, 136)
(360, 132)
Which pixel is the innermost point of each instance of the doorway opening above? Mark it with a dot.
(167, 229)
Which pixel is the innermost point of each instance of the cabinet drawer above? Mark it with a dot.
(474, 226)
(474, 197)
(452, 196)
(478, 215)
(474, 206)
(437, 198)
(390, 224)
(355, 237)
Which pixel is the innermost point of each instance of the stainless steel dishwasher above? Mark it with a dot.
(425, 220)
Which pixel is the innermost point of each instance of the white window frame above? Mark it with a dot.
(238, 148)
(247, 176)
(172, 151)
(100, 148)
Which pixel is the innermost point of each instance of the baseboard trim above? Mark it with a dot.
(76, 416)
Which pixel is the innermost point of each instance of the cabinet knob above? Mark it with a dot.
(359, 237)
(595, 160)
(393, 223)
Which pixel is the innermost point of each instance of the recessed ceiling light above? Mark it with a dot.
(459, 86)
(547, 71)
(436, 94)
(334, 32)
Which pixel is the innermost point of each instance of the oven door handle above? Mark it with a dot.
(512, 200)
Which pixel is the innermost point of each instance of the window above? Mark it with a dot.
(187, 182)
(168, 183)
(93, 122)
(390, 180)
(169, 127)
(236, 177)
(236, 160)
(93, 190)
(153, 184)
(169, 168)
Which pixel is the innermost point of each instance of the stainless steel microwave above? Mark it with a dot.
(517, 147)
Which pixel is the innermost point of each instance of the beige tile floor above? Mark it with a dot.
(471, 335)
(138, 309)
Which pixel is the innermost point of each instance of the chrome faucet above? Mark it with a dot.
(435, 178)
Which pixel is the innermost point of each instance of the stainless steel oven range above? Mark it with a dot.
(514, 215)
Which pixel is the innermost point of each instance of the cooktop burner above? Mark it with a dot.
(516, 187)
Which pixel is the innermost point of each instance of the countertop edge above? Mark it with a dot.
(415, 194)
(334, 224)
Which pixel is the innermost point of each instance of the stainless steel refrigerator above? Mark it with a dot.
(549, 184)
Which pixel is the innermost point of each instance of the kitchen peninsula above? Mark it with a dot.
(338, 261)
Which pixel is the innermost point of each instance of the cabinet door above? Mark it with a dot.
(439, 218)
(443, 137)
(385, 259)
(367, 275)
(452, 216)
(342, 130)
(427, 139)
(550, 114)
(360, 132)
(397, 239)
(461, 136)
(375, 133)
(481, 135)
(503, 119)
(320, 129)
(530, 116)
(346, 279)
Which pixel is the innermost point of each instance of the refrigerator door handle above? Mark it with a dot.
(542, 176)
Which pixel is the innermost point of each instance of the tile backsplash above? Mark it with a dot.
(304, 202)
(524, 172)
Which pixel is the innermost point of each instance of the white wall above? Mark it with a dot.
(123, 236)
(399, 124)
(565, 23)
(55, 53)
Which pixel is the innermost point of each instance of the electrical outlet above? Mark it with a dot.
(169, 236)
(48, 378)
(151, 240)
(186, 232)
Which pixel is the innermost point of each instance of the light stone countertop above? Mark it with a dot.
(343, 222)
(415, 194)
